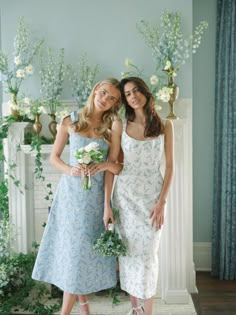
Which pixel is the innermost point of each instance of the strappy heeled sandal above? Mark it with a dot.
(83, 304)
(135, 309)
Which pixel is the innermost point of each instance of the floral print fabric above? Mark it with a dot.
(66, 257)
(136, 190)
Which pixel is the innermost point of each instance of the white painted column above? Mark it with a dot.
(176, 270)
(20, 210)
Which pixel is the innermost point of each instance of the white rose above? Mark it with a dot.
(154, 80)
(20, 73)
(17, 60)
(86, 159)
(92, 146)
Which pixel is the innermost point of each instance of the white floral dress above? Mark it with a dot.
(136, 190)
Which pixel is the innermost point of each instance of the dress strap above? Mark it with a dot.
(74, 116)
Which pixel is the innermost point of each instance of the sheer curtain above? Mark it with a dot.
(224, 209)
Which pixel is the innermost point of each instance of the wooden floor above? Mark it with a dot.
(215, 297)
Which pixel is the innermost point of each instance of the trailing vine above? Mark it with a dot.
(17, 288)
(36, 146)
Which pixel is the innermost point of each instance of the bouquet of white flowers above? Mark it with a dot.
(109, 242)
(87, 155)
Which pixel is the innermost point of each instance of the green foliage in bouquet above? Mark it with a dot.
(109, 243)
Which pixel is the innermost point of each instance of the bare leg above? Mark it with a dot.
(148, 304)
(135, 305)
(84, 305)
(68, 302)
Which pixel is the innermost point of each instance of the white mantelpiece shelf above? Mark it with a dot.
(45, 150)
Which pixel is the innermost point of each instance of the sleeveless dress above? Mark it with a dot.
(136, 190)
(66, 257)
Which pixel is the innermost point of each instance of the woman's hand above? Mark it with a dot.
(108, 215)
(95, 168)
(157, 214)
(76, 170)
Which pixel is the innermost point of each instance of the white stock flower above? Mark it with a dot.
(154, 80)
(29, 69)
(26, 100)
(42, 110)
(20, 73)
(17, 60)
(167, 65)
(92, 146)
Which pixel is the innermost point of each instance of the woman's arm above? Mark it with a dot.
(59, 145)
(157, 212)
(109, 177)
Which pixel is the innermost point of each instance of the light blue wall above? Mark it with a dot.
(105, 29)
(203, 122)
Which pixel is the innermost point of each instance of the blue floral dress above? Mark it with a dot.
(66, 257)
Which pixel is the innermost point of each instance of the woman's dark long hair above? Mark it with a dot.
(154, 125)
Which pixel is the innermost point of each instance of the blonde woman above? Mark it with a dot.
(66, 258)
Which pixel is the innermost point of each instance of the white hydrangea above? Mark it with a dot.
(154, 80)
(164, 94)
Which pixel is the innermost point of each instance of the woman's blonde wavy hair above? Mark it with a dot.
(108, 117)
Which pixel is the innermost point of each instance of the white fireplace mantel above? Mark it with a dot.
(29, 210)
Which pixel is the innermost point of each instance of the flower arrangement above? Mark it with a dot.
(33, 107)
(52, 76)
(82, 80)
(85, 156)
(109, 243)
(170, 48)
(23, 55)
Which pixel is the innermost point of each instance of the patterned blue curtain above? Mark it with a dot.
(224, 209)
